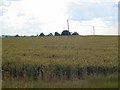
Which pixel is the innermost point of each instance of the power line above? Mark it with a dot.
(93, 25)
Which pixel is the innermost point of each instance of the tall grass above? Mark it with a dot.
(47, 59)
(90, 82)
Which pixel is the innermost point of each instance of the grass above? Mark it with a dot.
(91, 82)
(62, 51)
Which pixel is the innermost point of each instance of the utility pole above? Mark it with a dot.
(93, 30)
(68, 24)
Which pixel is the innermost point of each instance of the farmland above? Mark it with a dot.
(51, 60)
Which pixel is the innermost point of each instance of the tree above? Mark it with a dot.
(50, 34)
(57, 34)
(65, 32)
(17, 35)
(75, 33)
(42, 34)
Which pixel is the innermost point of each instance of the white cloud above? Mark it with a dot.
(116, 1)
(46, 14)
(95, 1)
(101, 27)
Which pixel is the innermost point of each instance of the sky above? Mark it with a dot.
(32, 17)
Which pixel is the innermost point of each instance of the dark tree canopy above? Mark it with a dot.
(17, 35)
(65, 32)
(75, 33)
(50, 34)
(42, 34)
(57, 34)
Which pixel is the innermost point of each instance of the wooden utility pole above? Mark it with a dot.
(93, 30)
(68, 24)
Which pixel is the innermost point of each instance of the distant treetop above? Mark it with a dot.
(75, 33)
(65, 32)
(41, 34)
(57, 34)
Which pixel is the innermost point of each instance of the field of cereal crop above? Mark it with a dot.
(52, 60)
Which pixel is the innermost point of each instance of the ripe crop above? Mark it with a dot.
(59, 58)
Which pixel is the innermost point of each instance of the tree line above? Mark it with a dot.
(63, 33)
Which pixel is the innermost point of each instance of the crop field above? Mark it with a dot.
(60, 62)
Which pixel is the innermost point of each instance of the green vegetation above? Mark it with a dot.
(50, 61)
(94, 82)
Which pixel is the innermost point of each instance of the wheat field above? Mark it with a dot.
(47, 62)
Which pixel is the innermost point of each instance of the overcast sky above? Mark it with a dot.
(31, 17)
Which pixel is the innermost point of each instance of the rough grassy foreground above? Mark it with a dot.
(90, 82)
(57, 59)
